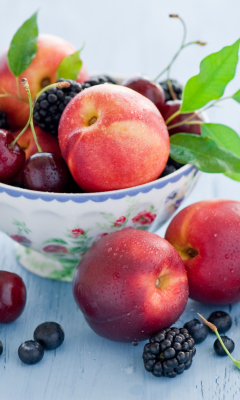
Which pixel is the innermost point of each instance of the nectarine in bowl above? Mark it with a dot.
(53, 230)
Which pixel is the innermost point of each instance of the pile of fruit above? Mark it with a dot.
(62, 131)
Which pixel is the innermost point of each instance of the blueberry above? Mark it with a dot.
(228, 343)
(222, 320)
(30, 352)
(49, 334)
(197, 330)
(1, 348)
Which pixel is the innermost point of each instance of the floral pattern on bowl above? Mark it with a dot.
(53, 231)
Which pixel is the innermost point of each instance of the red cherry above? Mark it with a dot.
(11, 159)
(169, 109)
(46, 172)
(143, 85)
(12, 296)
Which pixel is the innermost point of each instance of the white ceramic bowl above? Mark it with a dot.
(54, 230)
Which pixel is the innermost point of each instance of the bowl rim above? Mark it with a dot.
(159, 183)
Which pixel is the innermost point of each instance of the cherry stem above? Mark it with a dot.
(172, 117)
(26, 87)
(59, 85)
(214, 329)
(18, 88)
(187, 121)
(183, 45)
(193, 114)
(32, 103)
(20, 134)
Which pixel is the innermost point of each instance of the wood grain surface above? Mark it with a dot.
(89, 367)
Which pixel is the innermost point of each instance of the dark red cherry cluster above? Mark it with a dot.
(47, 172)
(42, 171)
(155, 92)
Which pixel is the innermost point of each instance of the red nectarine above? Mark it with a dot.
(130, 284)
(207, 237)
(41, 72)
(113, 138)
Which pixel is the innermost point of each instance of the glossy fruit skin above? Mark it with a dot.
(169, 109)
(49, 334)
(113, 138)
(206, 234)
(197, 330)
(12, 296)
(221, 319)
(150, 89)
(47, 142)
(11, 159)
(46, 172)
(51, 50)
(30, 352)
(129, 285)
(228, 343)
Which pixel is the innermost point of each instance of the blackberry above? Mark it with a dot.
(197, 330)
(50, 105)
(30, 352)
(228, 343)
(177, 88)
(98, 80)
(169, 352)
(169, 169)
(176, 164)
(49, 334)
(221, 319)
(3, 121)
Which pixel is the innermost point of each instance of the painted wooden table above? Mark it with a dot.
(89, 367)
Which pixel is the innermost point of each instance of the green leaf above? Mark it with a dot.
(70, 66)
(216, 70)
(204, 153)
(23, 47)
(226, 138)
(236, 96)
(59, 241)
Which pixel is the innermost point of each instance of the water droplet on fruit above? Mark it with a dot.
(128, 314)
(116, 276)
(232, 271)
(215, 235)
(109, 249)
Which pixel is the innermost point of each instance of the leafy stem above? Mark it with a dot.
(63, 84)
(18, 88)
(214, 329)
(172, 117)
(20, 134)
(26, 86)
(183, 45)
(193, 115)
